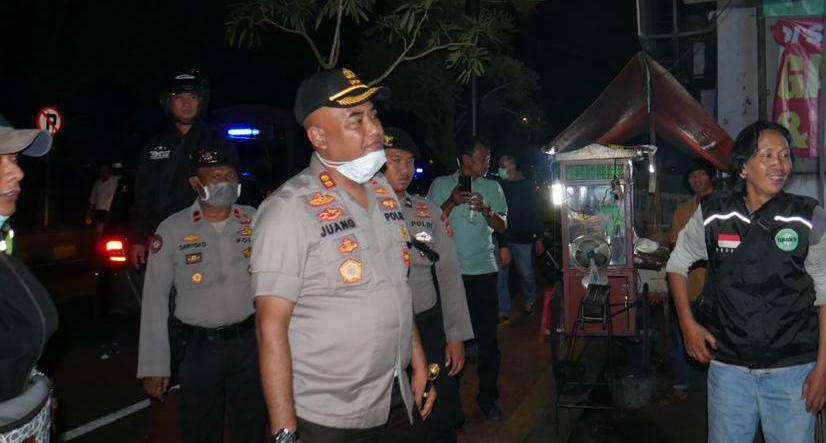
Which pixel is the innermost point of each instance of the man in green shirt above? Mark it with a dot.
(474, 216)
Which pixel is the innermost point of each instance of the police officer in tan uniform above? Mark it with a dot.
(441, 311)
(330, 260)
(202, 253)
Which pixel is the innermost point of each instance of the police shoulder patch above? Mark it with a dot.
(156, 244)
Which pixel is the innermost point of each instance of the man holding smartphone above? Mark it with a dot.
(476, 207)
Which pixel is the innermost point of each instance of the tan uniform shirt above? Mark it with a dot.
(697, 275)
(426, 224)
(345, 268)
(209, 272)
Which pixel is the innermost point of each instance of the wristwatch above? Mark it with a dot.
(284, 435)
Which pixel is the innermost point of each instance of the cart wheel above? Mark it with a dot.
(559, 339)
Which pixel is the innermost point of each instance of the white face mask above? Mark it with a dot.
(359, 170)
(3, 219)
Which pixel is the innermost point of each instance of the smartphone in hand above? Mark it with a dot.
(464, 183)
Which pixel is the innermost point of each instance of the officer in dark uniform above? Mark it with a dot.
(203, 254)
(160, 185)
(439, 305)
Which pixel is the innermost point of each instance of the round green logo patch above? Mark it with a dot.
(786, 239)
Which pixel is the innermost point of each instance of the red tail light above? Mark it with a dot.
(112, 250)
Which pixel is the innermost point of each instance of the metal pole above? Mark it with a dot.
(46, 192)
(821, 126)
(472, 11)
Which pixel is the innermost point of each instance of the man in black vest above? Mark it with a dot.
(760, 323)
(161, 185)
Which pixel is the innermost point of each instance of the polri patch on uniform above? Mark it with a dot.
(786, 239)
(351, 271)
(326, 180)
(318, 199)
(347, 245)
(156, 244)
(191, 259)
(246, 230)
(191, 238)
(728, 241)
(197, 278)
(388, 203)
(247, 252)
(330, 214)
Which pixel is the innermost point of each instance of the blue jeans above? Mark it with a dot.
(679, 360)
(738, 399)
(522, 256)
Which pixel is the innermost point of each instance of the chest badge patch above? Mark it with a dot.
(786, 239)
(381, 191)
(406, 257)
(156, 244)
(246, 231)
(728, 241)
(326, 180)
(329, 214)
(405, 235)
(191, 259)
(388, 203)
(197, 278)
(247, 252)
(347, 245)
(319, 199)
(191, 238)
(350, 271)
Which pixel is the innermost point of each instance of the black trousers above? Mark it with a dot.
(447, 412)
(398, 428)
(218, 376)
(483, 304)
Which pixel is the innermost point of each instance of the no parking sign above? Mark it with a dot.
(49, 118)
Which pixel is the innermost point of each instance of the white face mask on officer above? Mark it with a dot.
(358, 170)
(221, 195)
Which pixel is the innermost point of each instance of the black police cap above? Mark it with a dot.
(212, 156)
(334, 88)
(396, 138)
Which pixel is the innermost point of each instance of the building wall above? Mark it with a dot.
(737, 86)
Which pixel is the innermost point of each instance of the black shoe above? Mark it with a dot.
(492, 413)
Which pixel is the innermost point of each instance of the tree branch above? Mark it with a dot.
(496, 89)
(334, 51)
(407, 47)
(434, 49)
(303, 34)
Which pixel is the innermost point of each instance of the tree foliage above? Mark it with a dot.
(414, 29)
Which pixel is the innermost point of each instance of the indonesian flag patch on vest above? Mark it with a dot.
(728, 241)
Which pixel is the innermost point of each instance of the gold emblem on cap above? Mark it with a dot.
(197, 278)
(355, 84)
(388, 140)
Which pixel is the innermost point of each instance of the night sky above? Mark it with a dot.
(103, 62)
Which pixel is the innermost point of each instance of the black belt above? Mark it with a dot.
(222, 333)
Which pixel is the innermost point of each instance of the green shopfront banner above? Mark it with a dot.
(792, 8)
